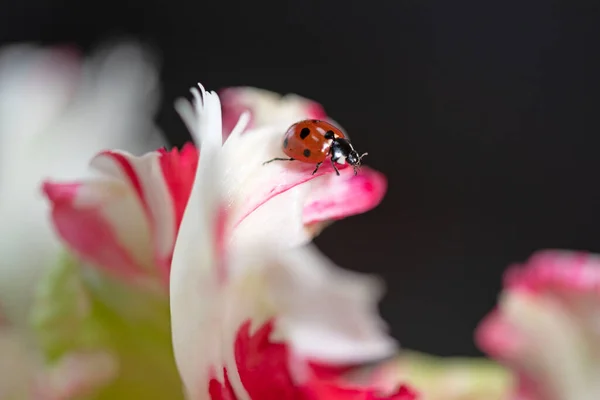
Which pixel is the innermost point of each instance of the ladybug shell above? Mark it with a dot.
(305, 140)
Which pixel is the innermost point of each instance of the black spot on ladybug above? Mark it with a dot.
(306, 153)
(285, 143)
(304, 133)
(329, 135)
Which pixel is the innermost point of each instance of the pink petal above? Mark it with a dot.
(497, 337)
(232, 110)
(545, 327)
(87, 231)
(336, 197)
(265, 107)
(290, 178)
(553, 270)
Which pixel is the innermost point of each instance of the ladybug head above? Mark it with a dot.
(354, 159)
(342, 149)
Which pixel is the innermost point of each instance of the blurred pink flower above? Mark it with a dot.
(251, 319)
(126, 220)
(58, 109)
(545, 327)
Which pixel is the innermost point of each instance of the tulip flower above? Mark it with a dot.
(120, 226)
(251, 319)
(545, 327)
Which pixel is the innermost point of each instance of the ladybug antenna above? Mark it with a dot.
(357, 165)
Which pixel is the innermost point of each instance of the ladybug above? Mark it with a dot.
(312, 141)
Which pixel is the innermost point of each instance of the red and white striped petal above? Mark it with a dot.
(102, 222)
(126, 220)
(546, 326)
(246, 320)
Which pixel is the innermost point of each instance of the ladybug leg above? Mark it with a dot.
(334, 167)
(317, 167)
(279, 159)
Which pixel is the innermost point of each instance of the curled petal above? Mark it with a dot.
(143, 176)
(333, 197)
(126, 221)
(545, 326)
(161, 182)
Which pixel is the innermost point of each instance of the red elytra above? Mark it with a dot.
(312, 141)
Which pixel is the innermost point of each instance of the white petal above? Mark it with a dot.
(194, 281)
(249, 184)
(328, 314)
(325, 314)
(271, 108)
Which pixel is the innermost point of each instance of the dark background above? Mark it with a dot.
(482, 114)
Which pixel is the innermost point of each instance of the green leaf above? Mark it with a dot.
(79, 308)
(454, 378)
